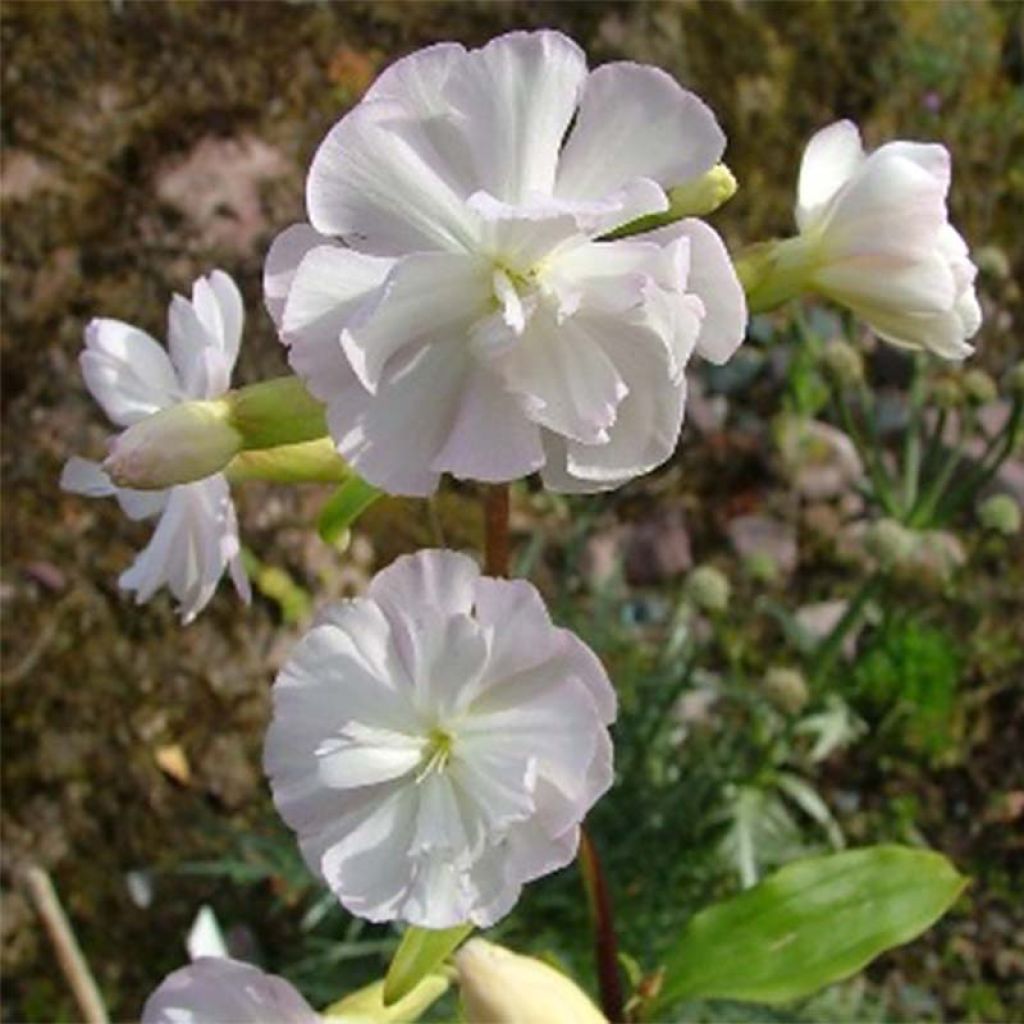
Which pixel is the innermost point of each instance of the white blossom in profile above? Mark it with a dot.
(878, 239)
(132, 377)
(436, 743)
(219, 990)
(452, 300)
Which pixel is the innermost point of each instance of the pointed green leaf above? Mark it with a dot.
(815, 922)
(345, 506)
(421, 952)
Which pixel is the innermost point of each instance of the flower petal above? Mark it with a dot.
(377, 181)
(81, 476)
(222, 989)
(127, 371)
(441, 581)
(517, 96)
(829, 161)
(327, 289)
(425, 296)
(636, 122)
(283, 258)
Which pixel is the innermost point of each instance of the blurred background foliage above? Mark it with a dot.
(144, 143)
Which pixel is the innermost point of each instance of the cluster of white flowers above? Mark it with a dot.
(464, 300)
(133, 377)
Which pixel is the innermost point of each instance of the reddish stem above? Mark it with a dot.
(606, 946)
(496, 539)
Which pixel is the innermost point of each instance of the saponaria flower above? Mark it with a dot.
(133, 377)
(219, 990)
(451, 300)
(878, 239)
(436, 743)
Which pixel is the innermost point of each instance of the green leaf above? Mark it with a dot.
(345, 506)
(421, 952)
(815, 922)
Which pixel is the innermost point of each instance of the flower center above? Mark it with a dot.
(436, 753)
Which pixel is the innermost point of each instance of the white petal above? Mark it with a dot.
(944, 334)
(929, 156)
(491, 439)
(445, 656)
(142, 504)
(394, 438)
(830, 160)
(519, 237)
(441, 581)
(218, 303)
(583, 664)
(80, 476)
(518, 95)
(425, 296)
(378, 183)
(222, 990)
(712, 278)
(283, 258)
(127, 372)
(202, 368)
(563, 378)
(328, 288)
(648, 419)
(523, 635)
(364, 755)
(636, 122)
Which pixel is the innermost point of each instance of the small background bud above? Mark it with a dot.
(979, 387)
(708, 588)
(843, 362)
(890, 542)
(946, 392)
(786, 688)
(1015, 380)
(1001, 514)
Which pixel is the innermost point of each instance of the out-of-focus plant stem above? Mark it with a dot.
(881, 486)
(912, 440)
(828, 650)
(606, 946)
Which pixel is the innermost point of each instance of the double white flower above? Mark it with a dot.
(132, 377)
(436, 743)
(451, 300)
(875, 237)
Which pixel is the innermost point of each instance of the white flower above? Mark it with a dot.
(881, 243)
(216, 990)
(436, 743)
(472, 322)
(132, 377)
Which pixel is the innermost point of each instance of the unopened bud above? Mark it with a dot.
(979, 387)
(890, 542)
(1001, 514)
(947, 393)
(786, 688)
(177, 445)
(703, 195)
(502, 987)
(843, 362)
(708, 588)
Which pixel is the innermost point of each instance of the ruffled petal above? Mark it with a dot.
(283, 258)
(830, 160)
(442, 581)
(377, 182)
(127, 371)
(426, 296)
(517, 96)
(636, 122)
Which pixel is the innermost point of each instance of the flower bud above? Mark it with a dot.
(843, 362)
(786, 688)
(979, 387)
(703, 195)
(947, 393)
(890, 542)
(708, 589)
(502, 987)
(1001, 514)
(177, 445)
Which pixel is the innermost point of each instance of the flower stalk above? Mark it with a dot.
(605, 941)
(496, 531)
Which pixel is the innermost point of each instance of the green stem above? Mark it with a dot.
(883, 488)
(912, 438)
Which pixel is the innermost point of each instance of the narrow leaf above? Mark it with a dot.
(420, 953)
(345, 506)
(815, 922)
